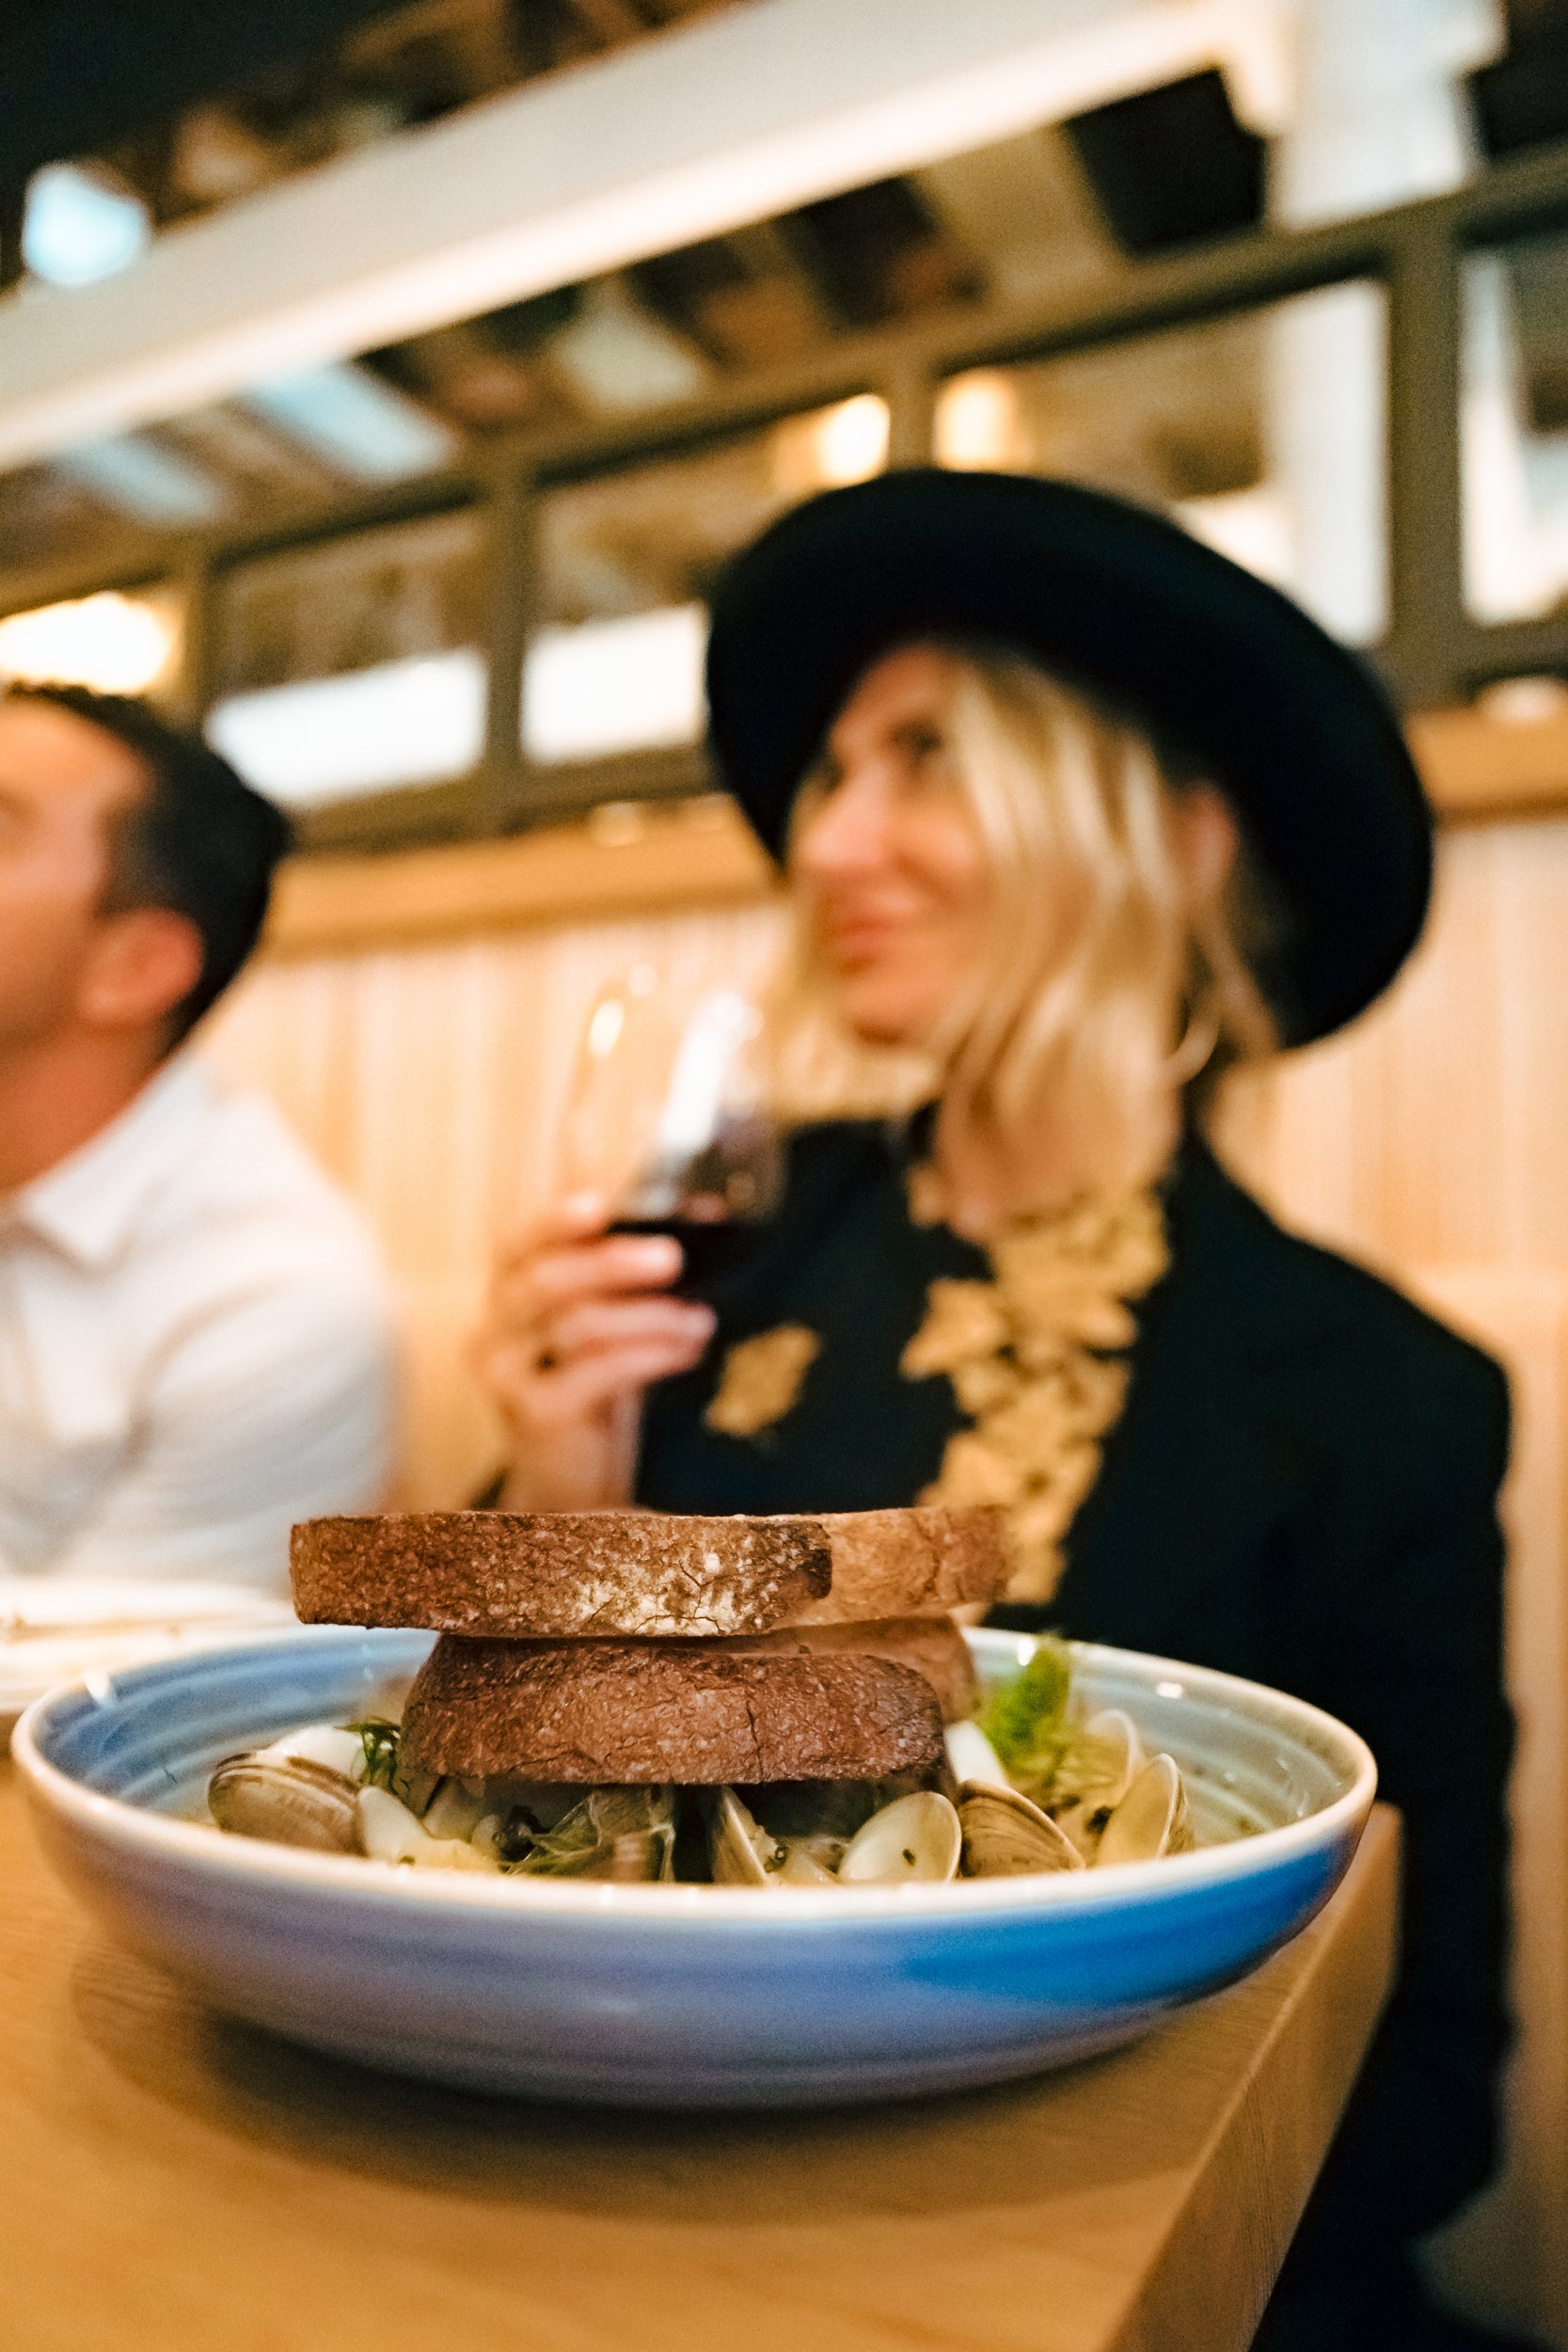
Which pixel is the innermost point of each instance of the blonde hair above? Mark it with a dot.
(1104, 988)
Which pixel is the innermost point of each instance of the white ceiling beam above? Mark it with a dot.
(699, 130)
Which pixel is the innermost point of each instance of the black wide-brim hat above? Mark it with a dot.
(1109, 596)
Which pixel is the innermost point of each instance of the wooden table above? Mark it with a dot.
(173, 2183)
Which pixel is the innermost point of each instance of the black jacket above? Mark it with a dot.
(1301, 1489)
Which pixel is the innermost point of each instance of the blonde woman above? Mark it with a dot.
(1086, 814)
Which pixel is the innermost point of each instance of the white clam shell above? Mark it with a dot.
(339, 1750)
(971, 1758)
(453, 1853)
(1103, 1766)
(1124, 1754)
(739, 1853)
(1004, 1835)
(916, 1836)
(1151, 1819)
(453, 1811)
(286, 1798)
(800, 1867)
(389, 1831)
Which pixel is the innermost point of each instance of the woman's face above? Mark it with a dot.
(887, 858)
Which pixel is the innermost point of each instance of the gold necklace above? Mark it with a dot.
(1036, 1356)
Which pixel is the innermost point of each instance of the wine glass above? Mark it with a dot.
(667, 1118)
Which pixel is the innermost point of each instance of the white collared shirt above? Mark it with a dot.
(195, 1346)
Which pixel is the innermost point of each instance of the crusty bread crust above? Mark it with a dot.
(932, 1646)
(904, 1563)
(699, 1712)
(642, 1573)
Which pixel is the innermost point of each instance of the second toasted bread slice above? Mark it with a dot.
(696, 1714)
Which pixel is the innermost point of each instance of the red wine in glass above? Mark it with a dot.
(667, 1117)
(716, 1205)
(709, 1253)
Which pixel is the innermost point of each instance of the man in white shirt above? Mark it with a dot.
(195, 1331)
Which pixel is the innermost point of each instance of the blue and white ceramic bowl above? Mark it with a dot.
(680, 1996)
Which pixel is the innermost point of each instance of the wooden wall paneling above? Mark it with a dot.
(627, 860)
(288, 1030)
(429, 1080)
(1507, 2257)
(1435, 1130)
(1477, 764)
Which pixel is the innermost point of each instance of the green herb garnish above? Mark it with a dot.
(378, 1737)
(1026, 1721)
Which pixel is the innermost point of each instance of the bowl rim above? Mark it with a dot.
(199, 1850)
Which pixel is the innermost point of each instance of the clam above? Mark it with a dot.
(1151, 1819)
(1005, 1836)
(1115, 1753)
(455, 1809)
(453, 1853)
(388, 1831)
(289, 1799)
(814, 1809)
(808, 1855)
(740, 1851)
(639, 1854)
(971, 1758)
(743, 1854)
(1095, 1777)
(339, 1750)
(917, 1837)
(489, 1833)
(803, 1863)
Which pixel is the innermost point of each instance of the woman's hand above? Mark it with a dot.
(579, 1323)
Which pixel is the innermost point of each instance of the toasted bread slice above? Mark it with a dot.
(642, 1573)
(932, 1646)
(763, 1709)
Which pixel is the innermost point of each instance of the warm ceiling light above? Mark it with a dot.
(82, 222)
(978, 424)
(1524, 702)
(118, 645)
(844, 443)
(851, 439)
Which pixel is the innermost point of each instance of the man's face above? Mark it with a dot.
(61, 780)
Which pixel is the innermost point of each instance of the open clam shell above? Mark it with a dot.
(971, 1758)
(289, 1799)
(740, 1851)
(390, 1833)
(1103, 1764)
(917, 1837)
(1004, 1835)
(804, 1867)
(1151, 1819)
(339, 1750)
(1119, 1754)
